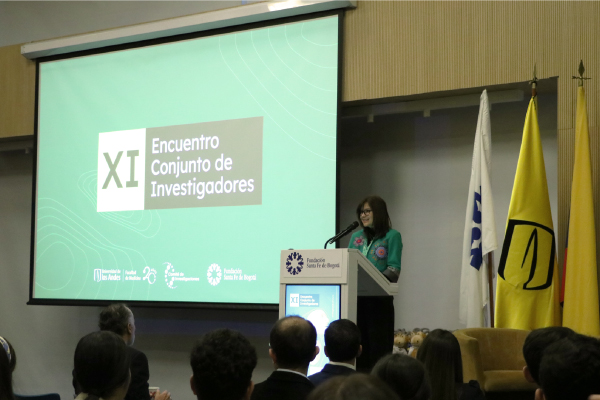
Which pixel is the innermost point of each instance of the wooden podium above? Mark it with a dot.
(348, 268)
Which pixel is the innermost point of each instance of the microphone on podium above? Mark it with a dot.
(343, 233)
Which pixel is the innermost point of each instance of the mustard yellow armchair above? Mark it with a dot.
(494, 357)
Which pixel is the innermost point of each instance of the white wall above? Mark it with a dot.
(421, 167)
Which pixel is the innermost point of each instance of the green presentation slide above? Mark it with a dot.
(177, 172)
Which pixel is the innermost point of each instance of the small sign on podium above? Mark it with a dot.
(311, 264)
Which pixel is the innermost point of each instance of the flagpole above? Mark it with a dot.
(533, 82)
(480, 236)
(490, 266)
(527, 283)
(580, 78)
(581, 311)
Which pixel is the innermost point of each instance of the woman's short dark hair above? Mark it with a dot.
(381, 219)
(353, 387)
(8, 362)
(115, 318)
(405, 375)
(440, 352)
(101, 364)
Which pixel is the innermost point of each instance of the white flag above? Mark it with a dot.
(480, 226)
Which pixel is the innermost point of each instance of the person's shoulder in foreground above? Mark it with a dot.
(140, 374)
(392, 233)
(354, 387)
(8, 362)
(471, 391)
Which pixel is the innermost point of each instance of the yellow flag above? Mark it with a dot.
(527, 286)
(580, 311)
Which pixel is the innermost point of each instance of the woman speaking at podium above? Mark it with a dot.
(382, 246)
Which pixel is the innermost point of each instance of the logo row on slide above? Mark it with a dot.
(214, 275)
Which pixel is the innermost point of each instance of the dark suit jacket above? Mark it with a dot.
(138, 388)
(471, 391)
(283, 385)
(329, 371)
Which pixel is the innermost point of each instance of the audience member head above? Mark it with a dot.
(353, 387)
(405, 375)
(570, 369)
(222, 363)
(342, 341)
(534, 346)
(293, 343)
(101, 366)
(118, 318)
(8, 362)
(440, 352)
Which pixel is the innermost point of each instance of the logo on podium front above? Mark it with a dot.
(294, 263)
(297, 265)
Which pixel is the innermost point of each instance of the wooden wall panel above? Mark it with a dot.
(17, 93)
(401, 48)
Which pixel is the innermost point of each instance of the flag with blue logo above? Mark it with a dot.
(480, 226)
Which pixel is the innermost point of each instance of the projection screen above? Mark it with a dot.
(176, 172)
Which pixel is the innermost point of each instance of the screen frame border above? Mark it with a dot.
(340, 13)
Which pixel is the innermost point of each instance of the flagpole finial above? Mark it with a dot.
(581, 71)
(533, 82)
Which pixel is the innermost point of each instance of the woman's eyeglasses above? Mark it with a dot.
(366, 212)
